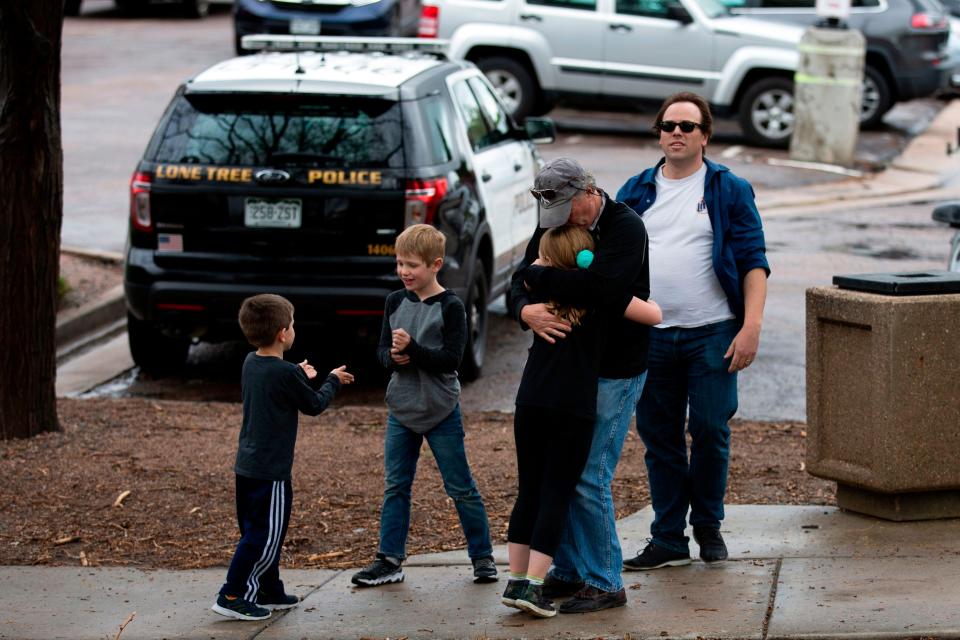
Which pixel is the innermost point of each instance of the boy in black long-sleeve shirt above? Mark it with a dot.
(274, 392)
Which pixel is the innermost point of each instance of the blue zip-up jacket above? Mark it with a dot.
(738, 244)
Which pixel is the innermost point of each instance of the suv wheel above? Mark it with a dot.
(514, 84)
(954, 263)
(154, 352)
(766, 112)
(876, 98)
(476, 326)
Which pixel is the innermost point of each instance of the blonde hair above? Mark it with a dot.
(423, 241)
(560, 245)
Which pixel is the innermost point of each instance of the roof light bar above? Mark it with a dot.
(329, 43)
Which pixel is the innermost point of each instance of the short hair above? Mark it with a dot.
(560, 245)
(423, 241)
(706, 118)
(262, 316)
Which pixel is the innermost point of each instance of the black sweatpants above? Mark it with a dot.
(552, 450)
(263, 513)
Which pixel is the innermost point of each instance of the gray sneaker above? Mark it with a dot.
(484, 569)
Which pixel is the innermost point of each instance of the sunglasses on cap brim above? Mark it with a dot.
(549, 197)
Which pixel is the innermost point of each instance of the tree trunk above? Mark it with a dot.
(31, 210)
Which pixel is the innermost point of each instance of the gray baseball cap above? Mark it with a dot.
(554, 188)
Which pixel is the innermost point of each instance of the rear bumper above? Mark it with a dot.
(205, 305)
(251, 17)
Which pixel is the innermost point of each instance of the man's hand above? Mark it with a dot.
(543, 323)
(400, 359)
(744, 347)
(308, 369)
(401, 340)
(342, 374)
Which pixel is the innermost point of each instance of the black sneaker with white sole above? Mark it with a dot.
(277, 601)
(484, 569)
(380, 571)
(655, 557)
(712, 547)
(239, 608)
(533, 602)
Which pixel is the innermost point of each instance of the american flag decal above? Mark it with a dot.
(169, 242)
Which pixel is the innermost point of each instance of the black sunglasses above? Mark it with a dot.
(667, 126)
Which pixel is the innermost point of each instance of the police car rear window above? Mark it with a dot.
(281, 131)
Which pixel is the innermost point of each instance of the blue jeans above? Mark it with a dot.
(590, 549)
(687, 367)
(400, 455)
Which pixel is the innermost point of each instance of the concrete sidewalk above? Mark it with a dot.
(795, 572)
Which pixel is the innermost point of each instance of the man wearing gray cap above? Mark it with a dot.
(587, 564)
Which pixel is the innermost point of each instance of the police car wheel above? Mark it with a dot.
(472, 363)
(154, 352)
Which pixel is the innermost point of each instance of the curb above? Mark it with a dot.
(101, 318)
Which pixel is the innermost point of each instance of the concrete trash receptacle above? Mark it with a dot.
(883, 393)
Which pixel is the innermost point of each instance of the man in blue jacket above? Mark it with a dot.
(708, 272)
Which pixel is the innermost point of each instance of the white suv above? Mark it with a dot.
(536, 51)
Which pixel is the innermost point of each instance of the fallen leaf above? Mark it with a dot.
(120, 498)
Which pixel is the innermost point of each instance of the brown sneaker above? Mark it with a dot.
(554, 588)
(592, 599)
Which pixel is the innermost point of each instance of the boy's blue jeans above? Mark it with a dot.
(686, 366)
(590, 549)
(400, 455)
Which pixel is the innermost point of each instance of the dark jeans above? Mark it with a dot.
(263, 512)
(401, 452)
(552, 450)
(686, 367)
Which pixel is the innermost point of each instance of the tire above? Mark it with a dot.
(154, 352)
(877, 98)
(72, 7)
(395, 29)
(514, 84)
(472, 363)
(766, 112)
(196, 8)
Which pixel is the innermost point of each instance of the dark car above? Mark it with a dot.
(292, 173)
(190, 8)
(906, 45)
(360, 18)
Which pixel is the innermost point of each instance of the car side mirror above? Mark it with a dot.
(676, 11)
(948, 212)
(540, 130)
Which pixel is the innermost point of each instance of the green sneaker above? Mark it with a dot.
(239, 608)
(513, 591)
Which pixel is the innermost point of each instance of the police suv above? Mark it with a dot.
(292, 171)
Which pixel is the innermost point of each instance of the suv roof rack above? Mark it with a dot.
(337, 43)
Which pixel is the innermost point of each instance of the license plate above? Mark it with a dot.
(304, 27)
(286, 214)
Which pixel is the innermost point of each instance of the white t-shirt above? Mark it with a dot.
(682, 280)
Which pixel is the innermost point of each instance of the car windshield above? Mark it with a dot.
(253, 130)
(712, 8)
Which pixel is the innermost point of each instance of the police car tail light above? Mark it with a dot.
(140, 202)
(924, 20)
(423, 198)
(429, 22)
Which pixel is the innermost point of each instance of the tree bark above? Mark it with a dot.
(31, 210)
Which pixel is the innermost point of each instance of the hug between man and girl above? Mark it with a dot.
(686, 233)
